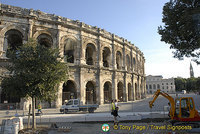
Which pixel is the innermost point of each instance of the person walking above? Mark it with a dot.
(115, 114)
(39, 108)
(116, 104)
(112, 107)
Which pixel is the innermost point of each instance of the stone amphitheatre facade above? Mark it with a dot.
(102, 65)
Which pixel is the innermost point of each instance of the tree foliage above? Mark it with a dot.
(181, 28)
(35, 72)
(189, 84)
(180, 84)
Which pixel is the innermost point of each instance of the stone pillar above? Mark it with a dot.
(30, 31)
(100, 52)
(114, 86)
(2, 51)
(125, 89)
(82, 86)
(81, 49)
(101, 89)
(131, 60)
(139, 87)
(58, 102)
(114, 65)
(123, 58)
(77, 80)
(132, 87)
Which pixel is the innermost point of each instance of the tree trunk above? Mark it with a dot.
(33, 113)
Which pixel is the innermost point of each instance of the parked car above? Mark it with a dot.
(74, 105)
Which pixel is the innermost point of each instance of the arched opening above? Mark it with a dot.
(106, 57)
(45, 40)
(89, 54)
(129, 92)
(90, 93)
(69, 91)
(127, 62)
(119, 60)
(107, 92)
(13, 39)
(136, 91)
(120, 91)
(69, 46)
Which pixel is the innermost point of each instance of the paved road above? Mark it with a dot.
(143, 105)
(135, 106)
(140, 106)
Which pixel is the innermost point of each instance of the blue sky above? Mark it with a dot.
(135, 20)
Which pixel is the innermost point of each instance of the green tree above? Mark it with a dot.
(191, 84)
(198, 84)
(35, 72)
(180, 84)
(181, 28)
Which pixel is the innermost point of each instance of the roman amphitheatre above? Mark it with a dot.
(102, 65)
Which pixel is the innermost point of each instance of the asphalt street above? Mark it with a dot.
(137, 110)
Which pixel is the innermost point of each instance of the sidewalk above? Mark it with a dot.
(53, 115)
(97, 117)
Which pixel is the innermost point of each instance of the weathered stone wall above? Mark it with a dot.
(103, 66)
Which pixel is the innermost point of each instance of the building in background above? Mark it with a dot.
(153, 83)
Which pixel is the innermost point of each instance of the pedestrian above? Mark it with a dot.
(112, 107)
(115, 114)
(116, 104)
(39, 108)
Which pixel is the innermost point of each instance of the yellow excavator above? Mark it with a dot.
(182, 109)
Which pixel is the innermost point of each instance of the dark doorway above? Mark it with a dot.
(90, 93)
(69, 91)
(107, 92)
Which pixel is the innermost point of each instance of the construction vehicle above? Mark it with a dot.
(182, 109)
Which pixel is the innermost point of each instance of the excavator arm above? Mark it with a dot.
(171, 100)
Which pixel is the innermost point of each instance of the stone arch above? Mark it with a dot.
(69, 48)
(13, 39)
(69, 90)
(106, 54)
(120, 91)
(119, 59)
(107, 92)
(90, 54)
(91, 97)
(48, 34)
(130, 94)
(128, 67)
(45, 40)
